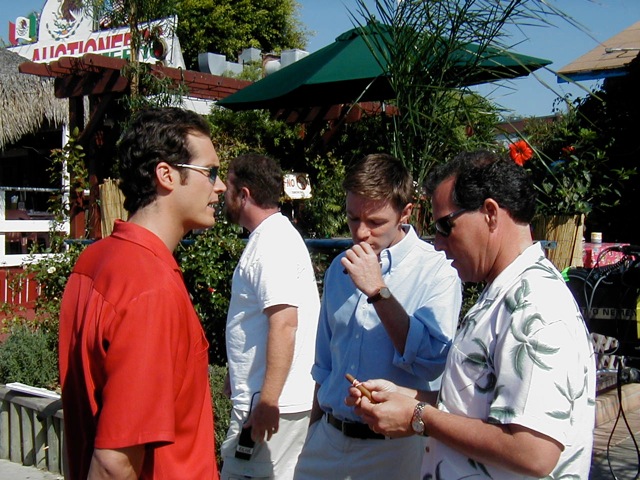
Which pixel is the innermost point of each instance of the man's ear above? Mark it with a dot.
(405, 215)
(491, 209)
(166, 176)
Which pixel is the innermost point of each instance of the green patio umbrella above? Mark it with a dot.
(351, 69)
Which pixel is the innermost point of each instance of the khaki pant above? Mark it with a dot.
(275, 459)
(329, 455)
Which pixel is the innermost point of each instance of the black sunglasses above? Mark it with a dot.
(211, 172)
(445, 224)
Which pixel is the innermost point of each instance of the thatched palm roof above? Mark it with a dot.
(26, 101)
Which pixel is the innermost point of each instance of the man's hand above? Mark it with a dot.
(264, 419)
(391, 414)
(379, 385)
(363, 265)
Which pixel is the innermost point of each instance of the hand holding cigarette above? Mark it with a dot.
(364, 390)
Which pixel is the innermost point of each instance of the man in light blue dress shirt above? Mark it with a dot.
(389, 310)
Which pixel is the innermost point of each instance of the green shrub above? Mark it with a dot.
(207, 265)
(221, 405)
(29, 355)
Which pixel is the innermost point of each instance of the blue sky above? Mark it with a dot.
(527, 97)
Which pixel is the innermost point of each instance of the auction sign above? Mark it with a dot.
(68, 31)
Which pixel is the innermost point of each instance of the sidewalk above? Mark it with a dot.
(616, 452)
(15, 471)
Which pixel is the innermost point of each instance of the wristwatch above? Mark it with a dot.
(383, 294)
(417, 424)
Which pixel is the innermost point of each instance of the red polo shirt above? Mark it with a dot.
(133, 360)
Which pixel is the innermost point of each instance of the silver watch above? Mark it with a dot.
(417, 424)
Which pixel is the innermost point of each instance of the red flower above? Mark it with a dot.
(211, 290)
(520, 152)
(568, 151)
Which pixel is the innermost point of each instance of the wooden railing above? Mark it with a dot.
(31, 430)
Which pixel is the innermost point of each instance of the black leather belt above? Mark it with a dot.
(353, 429)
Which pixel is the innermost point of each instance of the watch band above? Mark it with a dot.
(383, 293)
(417, 423)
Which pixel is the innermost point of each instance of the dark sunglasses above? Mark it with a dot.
(211, 172)
(445, 224)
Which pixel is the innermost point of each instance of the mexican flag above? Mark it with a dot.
(24, 29)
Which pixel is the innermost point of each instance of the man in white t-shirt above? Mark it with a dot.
(271, 329)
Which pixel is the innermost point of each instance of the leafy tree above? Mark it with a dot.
(613, 111)
(134, 14)
(422, 44)
(229, 26)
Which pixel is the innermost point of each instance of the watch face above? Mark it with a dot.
(417, 424)
(385, 293)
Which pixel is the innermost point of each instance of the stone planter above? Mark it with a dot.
(31, 430)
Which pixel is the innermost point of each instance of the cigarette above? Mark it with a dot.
(364, 390)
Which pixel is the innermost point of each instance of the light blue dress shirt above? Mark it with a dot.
(351, 338)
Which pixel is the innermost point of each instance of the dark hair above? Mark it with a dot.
(154, 135)
(483, 174)
(261, 175)
(380, 176)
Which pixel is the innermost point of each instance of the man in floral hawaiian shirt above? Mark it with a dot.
(518, 392)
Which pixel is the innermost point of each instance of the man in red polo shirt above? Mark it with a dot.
(133, 356)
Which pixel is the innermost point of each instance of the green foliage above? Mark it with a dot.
(251, 71)
(146, 89)
(571, 169)
(29, 355)
(221, 406)
(470, 294)
(51, 274)
(234, 133)
(438, 115)
(229, 26)
(72, 156)
(613, 111)
(132, 13)
(208, 264)
(152, 90)
(323, 215)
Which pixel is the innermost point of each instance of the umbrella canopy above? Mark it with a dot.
(25, 101)
(353, 68)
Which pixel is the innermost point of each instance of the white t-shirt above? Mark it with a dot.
(274, 269)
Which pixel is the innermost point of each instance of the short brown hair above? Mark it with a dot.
(380, 176)
(261, 175)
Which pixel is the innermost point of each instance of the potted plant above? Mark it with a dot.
(569, 164)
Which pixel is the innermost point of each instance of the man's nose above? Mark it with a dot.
(219, 187)
(439, 242)
(362, 231)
